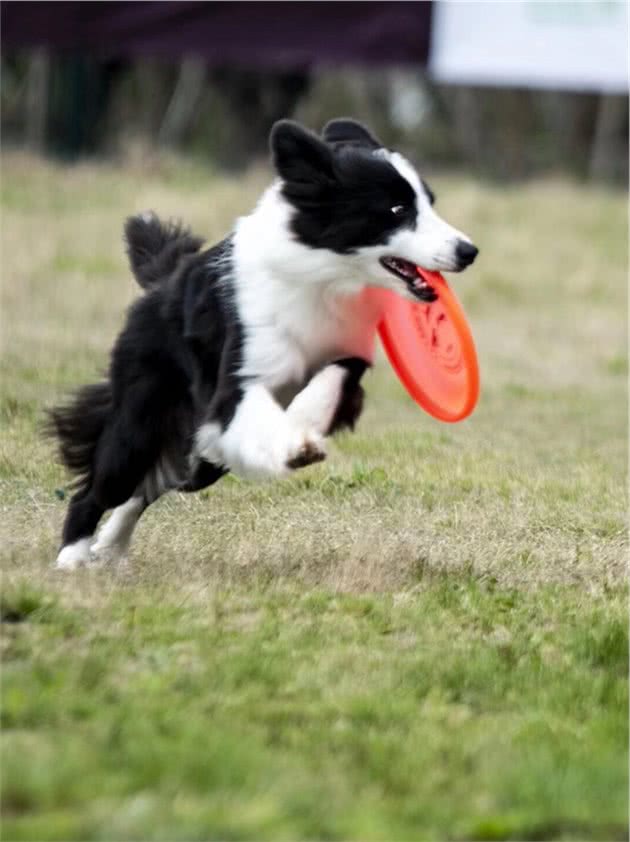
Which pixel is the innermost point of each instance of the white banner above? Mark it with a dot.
(519, 43)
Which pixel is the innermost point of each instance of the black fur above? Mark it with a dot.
(155, 249)
(348, 131)
(170, 359)
(174, 365)
(351, 403)
(342, 193)
(78, 426)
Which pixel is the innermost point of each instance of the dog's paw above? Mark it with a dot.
(256, 457)
(277, 455)
(259, 463)
(310, 451)
(73, 556)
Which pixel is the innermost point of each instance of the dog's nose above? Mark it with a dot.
(465, 253)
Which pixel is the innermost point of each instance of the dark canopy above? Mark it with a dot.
(280, 34)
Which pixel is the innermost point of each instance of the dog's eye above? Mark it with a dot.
(398, 210)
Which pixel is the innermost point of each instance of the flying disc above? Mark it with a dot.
(431, 349)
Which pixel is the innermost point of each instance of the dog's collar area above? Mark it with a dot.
(408, 272)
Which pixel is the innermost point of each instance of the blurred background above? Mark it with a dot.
(507, 90)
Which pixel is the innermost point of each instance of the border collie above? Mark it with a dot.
(245, 356)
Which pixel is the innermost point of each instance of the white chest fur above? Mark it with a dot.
(300, 307)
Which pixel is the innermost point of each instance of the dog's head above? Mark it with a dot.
(353, 197)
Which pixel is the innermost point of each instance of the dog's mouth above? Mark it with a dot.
(408, 272)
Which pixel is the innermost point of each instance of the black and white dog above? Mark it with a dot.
(246, 356)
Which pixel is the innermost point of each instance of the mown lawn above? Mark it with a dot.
(423, 638)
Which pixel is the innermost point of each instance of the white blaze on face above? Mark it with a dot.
(432, 243)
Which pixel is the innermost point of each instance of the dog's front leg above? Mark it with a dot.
(332, 400)
(263, 440)
(260, 441)
(244, 429)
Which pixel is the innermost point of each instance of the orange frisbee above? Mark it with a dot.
(432, 351)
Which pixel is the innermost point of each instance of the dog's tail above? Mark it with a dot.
(78, 426)
(155, 248)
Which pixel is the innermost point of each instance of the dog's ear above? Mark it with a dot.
(346, 130)
(298, 155)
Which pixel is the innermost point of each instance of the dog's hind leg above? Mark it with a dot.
(78, 545)
(114, 536)
(117, 470)
(82, 519)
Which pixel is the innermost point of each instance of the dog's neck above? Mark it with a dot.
(265, 243)
(314, 295)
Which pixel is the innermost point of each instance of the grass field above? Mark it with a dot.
(423, 638)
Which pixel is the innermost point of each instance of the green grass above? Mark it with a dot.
(458, 709)
(423, 638)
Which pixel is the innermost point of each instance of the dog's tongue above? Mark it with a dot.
(426, 276)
